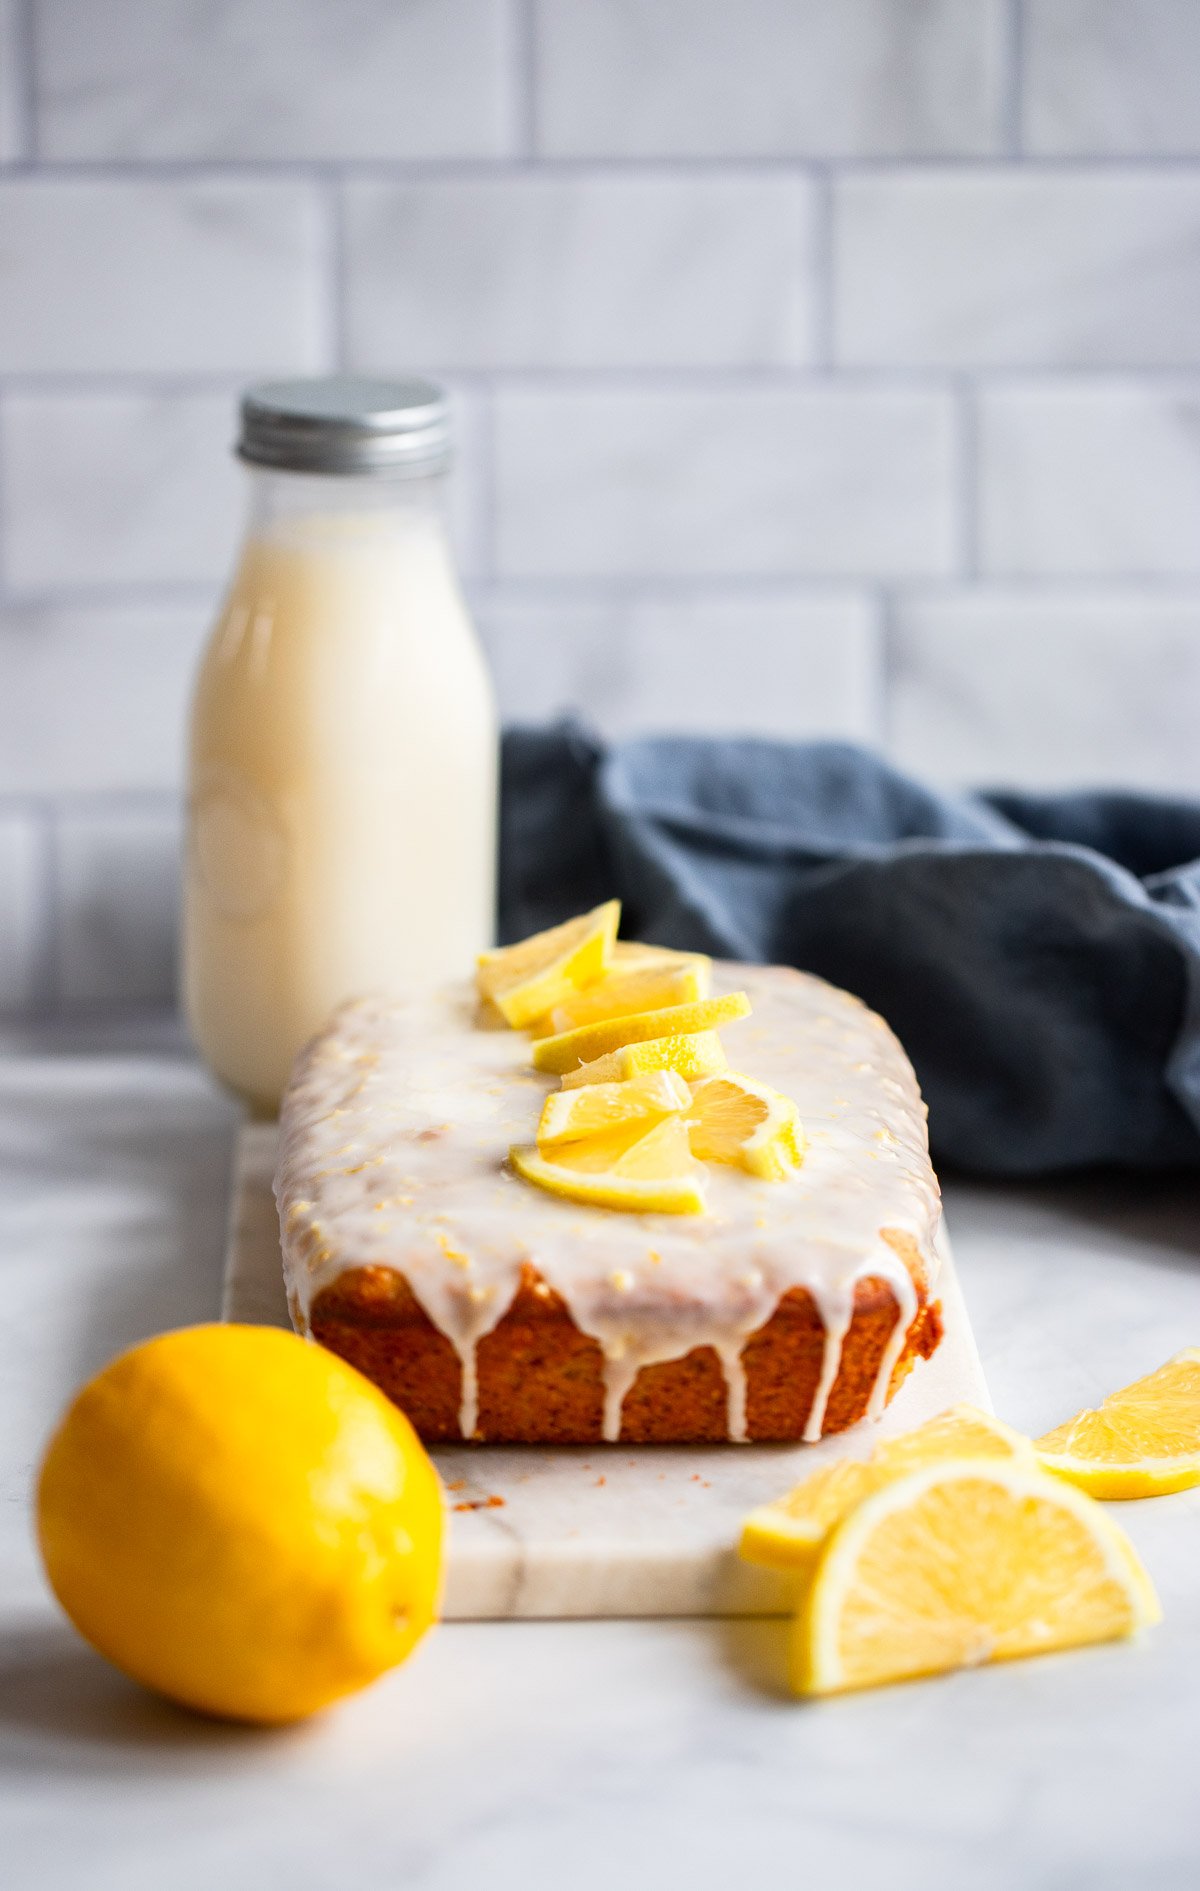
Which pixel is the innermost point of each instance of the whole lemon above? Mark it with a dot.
(240, 1520)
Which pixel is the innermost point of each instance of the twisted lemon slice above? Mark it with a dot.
(963, 1562)
(734, 1119)
(644, 986)
(1143, 1441)
(569, 1049)
(788, 1533)
(691, 1054)
(654, 1173)
(525, 980)
(597, 1109)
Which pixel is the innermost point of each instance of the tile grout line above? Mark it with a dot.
(967, 480)
(822, 258)
(439, 168)
(522, 79)
(1014, 94)
(24, 40)
(48, 997)
(333, 262)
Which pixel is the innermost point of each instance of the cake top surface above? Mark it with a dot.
(395, 1136)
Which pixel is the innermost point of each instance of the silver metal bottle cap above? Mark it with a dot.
(343, 423)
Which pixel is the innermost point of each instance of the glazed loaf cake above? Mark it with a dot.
(490, 1310)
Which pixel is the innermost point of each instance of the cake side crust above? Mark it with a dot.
(541, 1381)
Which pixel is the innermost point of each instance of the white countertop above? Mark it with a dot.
(591, 1754)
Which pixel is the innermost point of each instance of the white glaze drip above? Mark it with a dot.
(394, 1138)
(730, 1356)
(906, 1303)
(837, 1313)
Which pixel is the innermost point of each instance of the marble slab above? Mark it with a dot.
(605, 1530)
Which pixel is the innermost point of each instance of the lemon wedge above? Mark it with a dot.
(654, 1173)
(531, 977)
(788, 1533)
(1143, 1441)
(628, 953)
(960, 1563)
(691, 1055)
(734, 1119)
(640, 987)
(599, 1108)
(569, 1049)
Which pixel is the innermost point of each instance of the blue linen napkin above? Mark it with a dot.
(1038, 955)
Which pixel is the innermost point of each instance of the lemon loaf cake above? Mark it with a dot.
(787, 1296)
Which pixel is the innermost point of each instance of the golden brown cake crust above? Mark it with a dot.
(541, 1379)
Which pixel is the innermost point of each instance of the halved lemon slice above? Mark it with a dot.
(569, 1049)
(645, 987)
(529, 978)
(651, 1174)
(734, 1119)
(598, 1109)
(960, 1563)
(691, 1055)
(1143, 1441)
(788, 1533)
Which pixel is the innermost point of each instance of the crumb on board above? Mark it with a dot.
(481, 1503)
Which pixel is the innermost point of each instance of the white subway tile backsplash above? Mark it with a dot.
(828, 480)
(792, 665)
(219, 276)
(1048, 688)
(21, 942)
(119, 489)
(1112, 77)
(1101, 478)
(751, 77)
(117, 892)
(93, 700)
(579, 271)
(1011, 268)
(185, 79)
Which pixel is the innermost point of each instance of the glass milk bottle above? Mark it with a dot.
(343, 760)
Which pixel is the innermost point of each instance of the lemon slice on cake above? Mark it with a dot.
(734, 1119)
(525, 980)
(788, 1533)
(691, 1054)
(646, 986)
(569, 1049)
(598, 1109)
(1143, 1441)
(964, 1562)
(654, 1173)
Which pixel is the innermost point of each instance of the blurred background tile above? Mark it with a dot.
(215, 276)
(829, 480)
(579, 272)
(1112, 77)
(753, 77)
(1101, 477)
(359, 79)
(1048, 689)
(117, 879)
(119, 488)
(94, 699)
(790, 665)
(1001, 268)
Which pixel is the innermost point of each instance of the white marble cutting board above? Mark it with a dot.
(609, 1530)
